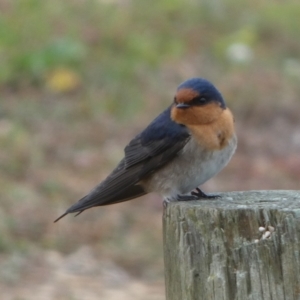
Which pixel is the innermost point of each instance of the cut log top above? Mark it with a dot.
(278, 199)
(244, 245)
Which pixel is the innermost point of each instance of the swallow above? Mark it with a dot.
(182, 148)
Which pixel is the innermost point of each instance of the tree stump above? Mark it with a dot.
(242, 246)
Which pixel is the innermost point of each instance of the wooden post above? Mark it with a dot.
(242, 246)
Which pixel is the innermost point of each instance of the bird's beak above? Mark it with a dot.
(182, 105)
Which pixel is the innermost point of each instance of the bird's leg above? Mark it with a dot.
(187, 197)
(196, 195)
(201, 195)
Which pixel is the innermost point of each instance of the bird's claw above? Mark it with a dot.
(196, 195)
(201, 195)
(187, 197)
(165, 202)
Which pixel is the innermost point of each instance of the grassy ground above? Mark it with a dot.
(78, 79)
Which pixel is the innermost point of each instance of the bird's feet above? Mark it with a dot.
(202, 195)
(196, 195)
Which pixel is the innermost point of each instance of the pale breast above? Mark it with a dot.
(191, 168)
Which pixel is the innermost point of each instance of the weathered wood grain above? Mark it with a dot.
(213, 249)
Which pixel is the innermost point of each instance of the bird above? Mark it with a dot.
(182, 148)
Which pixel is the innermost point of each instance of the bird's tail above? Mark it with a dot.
(94, 199)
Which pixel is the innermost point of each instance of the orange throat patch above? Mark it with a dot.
(217, 134)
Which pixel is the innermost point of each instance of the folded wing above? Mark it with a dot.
(154, 147)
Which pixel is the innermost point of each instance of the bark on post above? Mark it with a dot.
(242, 246)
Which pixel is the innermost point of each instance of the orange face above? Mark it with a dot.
(191, 113)
(211, 124)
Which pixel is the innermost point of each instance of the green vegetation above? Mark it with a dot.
(79, 78)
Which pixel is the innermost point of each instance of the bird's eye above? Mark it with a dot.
(200, 100)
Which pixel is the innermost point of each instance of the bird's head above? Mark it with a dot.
(197, 101)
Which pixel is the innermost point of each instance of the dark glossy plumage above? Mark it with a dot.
(157, 145)
(204, 88)
(154, 160)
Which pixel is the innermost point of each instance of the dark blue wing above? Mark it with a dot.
(161, 136)
(154, 147)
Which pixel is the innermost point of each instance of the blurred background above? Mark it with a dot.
(79, 79)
